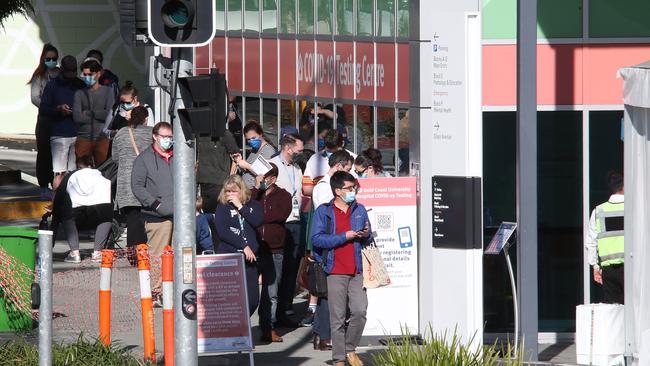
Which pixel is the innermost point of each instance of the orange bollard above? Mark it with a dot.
(105, 296)
(144, 267)
(168, 304)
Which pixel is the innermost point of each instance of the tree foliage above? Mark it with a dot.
(10, 7)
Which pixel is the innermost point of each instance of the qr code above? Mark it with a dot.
(384, 221)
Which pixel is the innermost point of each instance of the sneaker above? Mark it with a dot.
(290, 312)
(72, 258)
(307, 321)
(97, 256)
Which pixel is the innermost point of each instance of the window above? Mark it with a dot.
(288, 116)
(252, 15)
(306, 16)
(386, 138)
(270, 120)
(365, 128)
(221, 15)
(345, 17)
(605, 155)
(287, 16)
(234, 15)
(619, 18)
(269, 16)
(403, 146)
(403, 25)
(324, 11)
(385, 18)
(364, 17)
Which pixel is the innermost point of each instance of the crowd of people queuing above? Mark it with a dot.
(305, 205)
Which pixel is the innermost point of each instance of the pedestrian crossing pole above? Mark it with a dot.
(184, 239)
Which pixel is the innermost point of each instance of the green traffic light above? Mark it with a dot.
(176, 14)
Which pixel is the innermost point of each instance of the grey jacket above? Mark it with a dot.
(152, 184)
(90, 110)
(123, 155)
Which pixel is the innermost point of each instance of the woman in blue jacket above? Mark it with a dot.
(236, 219)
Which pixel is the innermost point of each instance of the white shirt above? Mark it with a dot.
(88, 187)
(318, 166)
(322, 192)
(290, 179)
(591, 242)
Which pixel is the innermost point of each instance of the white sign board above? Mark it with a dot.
(222, 304)
(392, 205)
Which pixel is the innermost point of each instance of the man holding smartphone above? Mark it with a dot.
(339, 230)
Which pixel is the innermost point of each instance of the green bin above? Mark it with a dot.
(19, 243)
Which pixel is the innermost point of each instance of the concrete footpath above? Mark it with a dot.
(75, 305)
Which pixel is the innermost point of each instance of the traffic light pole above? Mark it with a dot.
(184, 241)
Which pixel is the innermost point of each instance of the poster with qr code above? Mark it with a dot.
(392, 211)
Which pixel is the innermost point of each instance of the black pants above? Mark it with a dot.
(613, 283)
(294, 250)
(44, 172)
(252, 287)
(135, 232)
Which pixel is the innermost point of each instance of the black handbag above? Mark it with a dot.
(315, 272)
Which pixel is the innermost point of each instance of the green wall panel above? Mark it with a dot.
(555, 19)
(620, 18)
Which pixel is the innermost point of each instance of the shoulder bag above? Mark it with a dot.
(374, 270)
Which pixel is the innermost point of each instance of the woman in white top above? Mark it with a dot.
(46, 70)
(368, 164)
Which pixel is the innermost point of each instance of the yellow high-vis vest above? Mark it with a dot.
(611, 247)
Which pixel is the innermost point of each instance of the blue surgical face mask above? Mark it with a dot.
(166, 143)
(363, 175)
(350, 197)
(255, 144)
(327, 154)
(50, 64)
(128, 106)
(321, 143)
(89, 80)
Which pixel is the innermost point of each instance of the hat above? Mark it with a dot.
(69, 67)
(288, 130)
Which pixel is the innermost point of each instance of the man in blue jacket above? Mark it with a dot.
(339, 230)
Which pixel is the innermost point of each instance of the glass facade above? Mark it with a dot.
(363, 78)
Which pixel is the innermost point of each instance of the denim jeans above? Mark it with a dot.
(294, 250)
(271, 268)
(322, 320)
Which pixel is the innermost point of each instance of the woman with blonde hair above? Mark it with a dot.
(236, 218)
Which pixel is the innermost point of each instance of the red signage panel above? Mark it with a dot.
(252, 62)
(287, 67)
(344, 70)
(365, 71)
(270, 66)
(385, 71)
(219, 54)
(325, 62)
(235, 74)
(306, 68)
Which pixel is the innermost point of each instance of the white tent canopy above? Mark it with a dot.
(636, 95)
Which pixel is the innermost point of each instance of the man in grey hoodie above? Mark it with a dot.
(152, 184)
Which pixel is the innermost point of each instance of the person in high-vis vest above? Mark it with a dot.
(605, 242)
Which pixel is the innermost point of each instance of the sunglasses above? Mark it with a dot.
(51, 59)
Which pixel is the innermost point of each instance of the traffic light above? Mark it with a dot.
(206, 105)
(182, 23)
(133, 22)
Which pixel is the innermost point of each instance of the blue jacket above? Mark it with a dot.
(203, 235)
(60, 91)
(231, 238)
(321, 239)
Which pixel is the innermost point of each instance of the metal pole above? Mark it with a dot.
(527, 174)
(184, 240)
(45, 238)
(515, 304)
